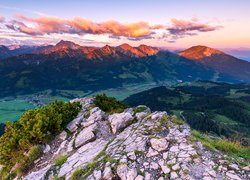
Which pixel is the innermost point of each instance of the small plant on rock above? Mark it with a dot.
(60, 160)
(139, 109)
(109, 104)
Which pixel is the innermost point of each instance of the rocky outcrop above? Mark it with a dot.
(131, 146)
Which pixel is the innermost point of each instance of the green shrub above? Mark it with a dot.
(61, 160)
(178, 121)
(139, 109)
(33, 128)
(109, 104)
(34, 153)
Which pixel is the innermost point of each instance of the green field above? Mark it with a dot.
(11, 108)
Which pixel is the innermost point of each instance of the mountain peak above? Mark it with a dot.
(148, 50)
(125, 46)
(199, 52)
(67, 44)
(151, 144)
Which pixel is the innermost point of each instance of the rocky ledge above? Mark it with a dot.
(130, 145)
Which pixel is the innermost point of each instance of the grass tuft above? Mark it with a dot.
(60, 160)
(231, 148)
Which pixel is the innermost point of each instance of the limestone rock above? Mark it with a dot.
(159, 144)
(119, 121)
(107, 173)
(73, 125)
(85, 136)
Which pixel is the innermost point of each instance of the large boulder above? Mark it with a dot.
(85, 136)
(73, 125)
(96, 114)
(119, 120)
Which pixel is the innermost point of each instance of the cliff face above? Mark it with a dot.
(135, 144)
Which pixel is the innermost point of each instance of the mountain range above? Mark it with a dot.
(69, 66)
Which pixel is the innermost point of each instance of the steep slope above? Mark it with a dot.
(134, 144)
(219, 61)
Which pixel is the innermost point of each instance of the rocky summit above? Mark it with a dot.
(135, 144)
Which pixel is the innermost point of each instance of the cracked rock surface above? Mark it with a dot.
(131, 146)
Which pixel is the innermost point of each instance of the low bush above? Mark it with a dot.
(109, 104)
(34, 153)
(33, 128)
(139, 109)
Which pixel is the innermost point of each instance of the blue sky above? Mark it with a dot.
(232, 16)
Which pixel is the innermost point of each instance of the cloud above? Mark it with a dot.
(2, 19)
(49, 27)
(182, 28)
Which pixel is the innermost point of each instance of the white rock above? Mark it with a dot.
(176, 167)
(147, 176)
(164, 168)
(63, 135)
(172, 161)
(97, 174)
(119, 121)
(85, 136)
(107, 173)
(38, 175)
(47, 148)
(132, 173)
(83, 156)
(246, 168)
(131, 155)
(96, 114)
(173, 175)
(61, 149)
(122, 171)
(140, 115)
(139, 177)
(73, 125)
(232, 176)
(234, 166)
(151, 152)
(159, 144)
(174, 149)
(165, 155)
(158, 115)
(154, 165)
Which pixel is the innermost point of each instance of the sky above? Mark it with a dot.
(161, 23)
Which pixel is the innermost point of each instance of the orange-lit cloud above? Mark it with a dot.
(47, 25)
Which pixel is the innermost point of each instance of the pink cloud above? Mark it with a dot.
(2, 19)
(183, 27)
(45, 25)
(48, 25)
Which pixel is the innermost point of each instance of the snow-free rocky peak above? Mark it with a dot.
(130, 145)
(199, 52)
